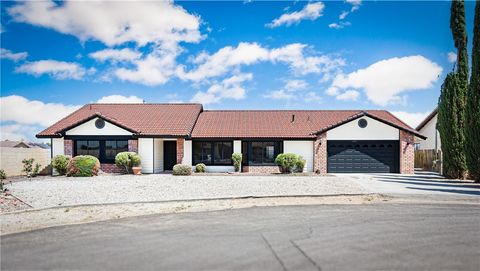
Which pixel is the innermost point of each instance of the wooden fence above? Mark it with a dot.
(430, 160)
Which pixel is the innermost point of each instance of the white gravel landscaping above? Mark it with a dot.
(63, 191)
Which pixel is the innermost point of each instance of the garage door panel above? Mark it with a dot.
(362, 156)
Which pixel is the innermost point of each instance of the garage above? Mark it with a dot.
(363, 156)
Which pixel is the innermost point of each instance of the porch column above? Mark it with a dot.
(407, 153)
(320, 154)
(180, 147)
(68, 147)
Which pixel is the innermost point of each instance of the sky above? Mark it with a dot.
(57, 56)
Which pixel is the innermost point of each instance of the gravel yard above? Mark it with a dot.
(63, 191)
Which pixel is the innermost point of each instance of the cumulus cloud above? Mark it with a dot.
(115, 99)
(293, 85)
(411, 118)
(310, 11)
(339, 25)
(229, 88)
(57, 69)
(18, 132)
(384, 81)
(112, 23)
(349, 95)
(294, 90)
(452, 57)
(355, 4)
(7, 54)
(115, 55)
(228, 58)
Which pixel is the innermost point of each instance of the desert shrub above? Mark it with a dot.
(60, 162)
(3, 176)
(29, 168)
(180, 169)
(237, 160)
(83, 166)
(286, 162)
(127, 160)
(200, 168)
(300, 164)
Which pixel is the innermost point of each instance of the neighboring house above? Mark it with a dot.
(22, 144)
(428, 127)
(13, 152)
(167, 134)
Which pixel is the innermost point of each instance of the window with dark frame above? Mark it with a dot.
(212, 152)
(261, 152)
(113, 147)
(104, 150)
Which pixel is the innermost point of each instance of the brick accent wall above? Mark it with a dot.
(320, 154)
(407, 153)
(68, 147)
(111, 168)
(133, 145)
(180, 146)
(260, 169)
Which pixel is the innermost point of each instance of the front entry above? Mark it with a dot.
(169, 154)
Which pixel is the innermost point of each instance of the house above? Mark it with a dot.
(167, 134)
(428, 127)
(12, 153)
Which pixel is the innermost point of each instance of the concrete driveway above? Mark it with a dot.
(420, 183)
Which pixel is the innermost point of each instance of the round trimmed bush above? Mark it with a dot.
(300, 164)
(286, 162)
(127, 160)
(180, 169)
(60, 162)
(83, 166)
(200, 168)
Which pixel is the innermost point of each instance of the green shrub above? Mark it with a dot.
(200, 168)
(3, 176)
(29, 169)
(286, 162)
(127, 160)
(60, 162)
(180, 169)
(83, 166)
(300, 164)
(237, 161)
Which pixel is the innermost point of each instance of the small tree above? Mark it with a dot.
(3, 176)
(127, 160)
(237, 161)
(29, 169)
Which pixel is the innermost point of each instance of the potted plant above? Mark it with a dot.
(136, 168)
(129, 161)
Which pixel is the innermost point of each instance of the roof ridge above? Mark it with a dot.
(283, 110)
(144, 104)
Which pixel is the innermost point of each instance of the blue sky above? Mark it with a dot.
(351, 54)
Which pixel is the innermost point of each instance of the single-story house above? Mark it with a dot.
(428, 127)
(167, 134)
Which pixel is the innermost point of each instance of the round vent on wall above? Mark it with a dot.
(362, 123)
(99, 123)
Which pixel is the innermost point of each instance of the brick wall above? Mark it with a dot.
(133, 145)
(407, 153)
(260, 169)
(320, 154)
(111, 168)
(180, 146)
(68, 147)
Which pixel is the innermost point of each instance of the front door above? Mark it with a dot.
(169, 154)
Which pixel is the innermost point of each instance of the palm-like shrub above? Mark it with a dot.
(200, 168)
(127, 160)
(180, 169)
(83, 166)
(237, 160)
(60, 162)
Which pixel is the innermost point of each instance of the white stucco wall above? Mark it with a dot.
(220, 169)
(303, 148)
(237, 146)
(375, 130)
(187, 153)
(88, 128)
(58, 146)
(430, 131)
(158, 158)
(145, 150)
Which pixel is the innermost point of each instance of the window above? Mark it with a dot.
(212, 152)
(88, 147)
(113, 147)
(263, 153)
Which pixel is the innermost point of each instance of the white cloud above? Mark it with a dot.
(294, 90)
(57, 69)
(113, 23)
(18, 132)
(228, 58)
(293, 85)
(343, 15)
(229, 88)
(23, 111)
(355, 4)
(281, 94)
(310, 11)
(349, 95)
(120, 99)
(311, 97)
(452, 57)
(385, 80)
(115, 55)
(411, 118)
(339, 25)
(7, 54)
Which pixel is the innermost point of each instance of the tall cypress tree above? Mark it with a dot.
(472, 114)
(451, 105)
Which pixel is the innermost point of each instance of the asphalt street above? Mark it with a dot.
(325, 237)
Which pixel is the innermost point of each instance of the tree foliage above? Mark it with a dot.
(451, 105)
(472, 114)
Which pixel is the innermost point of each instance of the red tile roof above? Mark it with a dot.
(279, 124)
(141, 119)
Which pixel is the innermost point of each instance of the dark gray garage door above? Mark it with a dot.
(362, 156)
